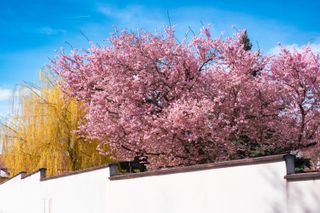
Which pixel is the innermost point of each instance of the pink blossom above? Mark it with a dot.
(187, 103)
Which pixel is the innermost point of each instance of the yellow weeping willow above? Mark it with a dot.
(41, 134)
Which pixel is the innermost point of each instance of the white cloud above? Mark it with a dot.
(124, 15)
(4, 110)
(5, 94)
(315, 47)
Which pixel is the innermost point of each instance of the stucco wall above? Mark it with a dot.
(83, 192)
(250, 189)
(304, 196)
(256, 187)
(11, 195)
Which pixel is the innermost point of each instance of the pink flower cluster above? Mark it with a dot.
(182, 103)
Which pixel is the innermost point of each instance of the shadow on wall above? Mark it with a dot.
(277, 184)
(303, 196)
(292, 196)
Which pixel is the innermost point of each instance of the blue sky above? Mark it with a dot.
(31, 31)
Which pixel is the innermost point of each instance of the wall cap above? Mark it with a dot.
(21, 174)
(200, 167)
(75, 172)
(303, 176)
(32, 173)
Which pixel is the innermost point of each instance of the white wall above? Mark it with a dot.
(304, 196)
(11, 198)
(84, 192)
(248, 188)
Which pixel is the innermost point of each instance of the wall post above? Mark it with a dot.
(43, 172)
(113, 168)
(290, 163)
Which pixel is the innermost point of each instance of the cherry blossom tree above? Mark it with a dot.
(297, 75)
(198, 101)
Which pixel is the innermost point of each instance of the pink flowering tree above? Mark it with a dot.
(297, 76)
(198, 101)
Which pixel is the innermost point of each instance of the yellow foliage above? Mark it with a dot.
(41, 134)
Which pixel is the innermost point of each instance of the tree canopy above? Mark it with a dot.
(41, 133)
(198, 101)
